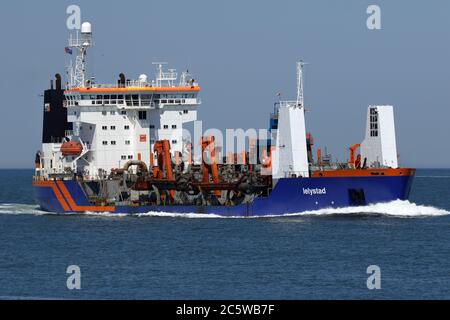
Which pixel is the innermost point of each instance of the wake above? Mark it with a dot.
(18, 208)
(397, 208)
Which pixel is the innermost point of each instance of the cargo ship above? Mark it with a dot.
(122, 148)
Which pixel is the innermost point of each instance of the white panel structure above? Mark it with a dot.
(118, 122)
(290, 158)
(124, 125)
(379, 146)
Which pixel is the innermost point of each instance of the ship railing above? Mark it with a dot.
(194, 101)
(296, 174)
(283, 104)
(145, 104)
(57, 140)
(136, 84)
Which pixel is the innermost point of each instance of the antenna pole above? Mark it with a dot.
(300, 97)
(81, 44)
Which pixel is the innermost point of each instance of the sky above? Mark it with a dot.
(243, 53)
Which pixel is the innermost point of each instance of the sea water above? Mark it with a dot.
(320, 254)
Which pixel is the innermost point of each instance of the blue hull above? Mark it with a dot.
(290, 195)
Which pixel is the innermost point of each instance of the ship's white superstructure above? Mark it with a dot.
(289, 157)
(379, 146)
(115, 123)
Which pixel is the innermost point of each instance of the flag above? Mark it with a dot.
(68, 50)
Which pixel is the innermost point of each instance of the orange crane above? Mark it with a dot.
(353, 149)
(162, 150)
(209, 146)
(319, 157)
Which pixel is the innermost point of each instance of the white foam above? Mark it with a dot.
(101, 214)
(397, 208)
(180, 215)
(19, 208)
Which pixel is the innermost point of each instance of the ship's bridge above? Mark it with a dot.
(134, 94)
(137, 94)
(133, 97)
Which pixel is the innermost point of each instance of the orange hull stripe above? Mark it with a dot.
(364, 173)
(76, 207)
(55, 189)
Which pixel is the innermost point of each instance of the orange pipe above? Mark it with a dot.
(167, 160)
(319, 157)
(168, 164)
(252, 152)
(189, 150)
(162, 149)
(158, 171)
(353, 149)
(230, 158)
(244, 158)
(208, 145)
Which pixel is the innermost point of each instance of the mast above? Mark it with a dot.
(300, 98)
(77, 75)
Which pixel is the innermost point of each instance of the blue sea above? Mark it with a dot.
(322, 255)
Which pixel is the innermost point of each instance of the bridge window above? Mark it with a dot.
(126, 127)
(105, 143)
(128, 99)
(135, 100)
(142, 115)
(373, 122)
